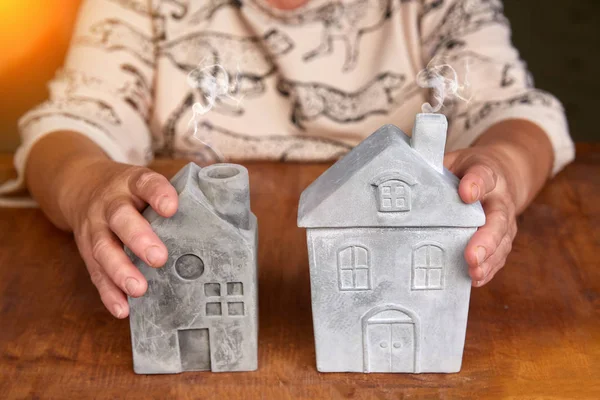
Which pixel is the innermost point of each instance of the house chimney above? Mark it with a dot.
(226, 186)
(429, 138)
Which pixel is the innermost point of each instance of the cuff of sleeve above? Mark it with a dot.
(552, 122)
(36, 131)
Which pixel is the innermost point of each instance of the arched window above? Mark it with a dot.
(428, 267)
(393, 196)
(353, 268)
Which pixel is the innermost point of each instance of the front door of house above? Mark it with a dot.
(391, 347)
(194, 349)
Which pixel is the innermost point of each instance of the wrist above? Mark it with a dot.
(524, 154)
(52, 166)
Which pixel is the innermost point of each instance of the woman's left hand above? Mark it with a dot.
(484, 177)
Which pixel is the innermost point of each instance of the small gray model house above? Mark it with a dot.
(200, 310)
(386, 233)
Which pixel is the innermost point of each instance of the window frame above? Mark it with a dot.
(354, 266)
(384, 180)
(225, 299)
(428, 268)
(393, 185)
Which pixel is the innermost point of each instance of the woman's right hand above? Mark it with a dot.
(101, 203)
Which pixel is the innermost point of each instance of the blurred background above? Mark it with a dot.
(559, 39)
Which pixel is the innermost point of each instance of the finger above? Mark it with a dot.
(487, 238)
(111, 296)
(486, 271)
(450, 159)
(155, 190)
(488, 278)
(109, 254)
(478, 177)
(477, 182)
(136, 233)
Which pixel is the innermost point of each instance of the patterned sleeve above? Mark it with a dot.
(104, 90)
(474, 38)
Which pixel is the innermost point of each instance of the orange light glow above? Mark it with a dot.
(23, 23)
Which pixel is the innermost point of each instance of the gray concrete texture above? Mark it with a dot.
(201, 309)
(386, 233)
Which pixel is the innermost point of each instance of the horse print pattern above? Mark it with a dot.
(481, 110)
(114, 35)
(210, 7)
(96, 109)
(430, 5)
(73, 94)
(136, 91)
(313, 100)
(203, 44)
(464, 17)
(150, 8)
(36, 118)
(177, 9)
(273, 147)
(67, 97)
(345, 21)
(242, 61)
(242, 56)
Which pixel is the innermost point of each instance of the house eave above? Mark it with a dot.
(366, 226)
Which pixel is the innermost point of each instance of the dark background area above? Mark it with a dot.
(559, 39)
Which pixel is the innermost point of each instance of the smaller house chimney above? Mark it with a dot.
(429, 138)
(227, 188)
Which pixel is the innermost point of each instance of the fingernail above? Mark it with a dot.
(118, 310)
(474, 192)
(131, 285)
(153, 254)
(163, 204)
(481, 252)
(479, 283)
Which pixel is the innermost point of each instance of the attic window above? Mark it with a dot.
(393, 196)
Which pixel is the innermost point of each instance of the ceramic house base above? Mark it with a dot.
(386, 234)
(200, 310)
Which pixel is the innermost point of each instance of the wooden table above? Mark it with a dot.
(534, 332)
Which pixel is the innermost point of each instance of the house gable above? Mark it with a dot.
(349, 195)
(191, 197)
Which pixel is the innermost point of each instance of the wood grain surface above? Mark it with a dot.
(533, 332)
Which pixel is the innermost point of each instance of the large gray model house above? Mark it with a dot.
(200, 310)
(386, 234)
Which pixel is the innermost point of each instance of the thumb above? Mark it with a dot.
(450, 159)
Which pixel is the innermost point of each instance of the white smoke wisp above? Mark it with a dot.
(445, 84)
(213, 83)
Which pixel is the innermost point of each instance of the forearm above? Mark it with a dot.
(526, 155)
(53, 162)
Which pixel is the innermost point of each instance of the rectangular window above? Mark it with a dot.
(235, 309)
(362, 279)
(213, 309)
(212, 289)
(427, 268)
(229, 302)
(346, 279)
(354, 269)
(235, 289)
(394, 196)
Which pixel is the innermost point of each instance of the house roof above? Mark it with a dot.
(186, 183)
(345, 194)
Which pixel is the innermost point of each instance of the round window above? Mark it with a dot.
(189, 266)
